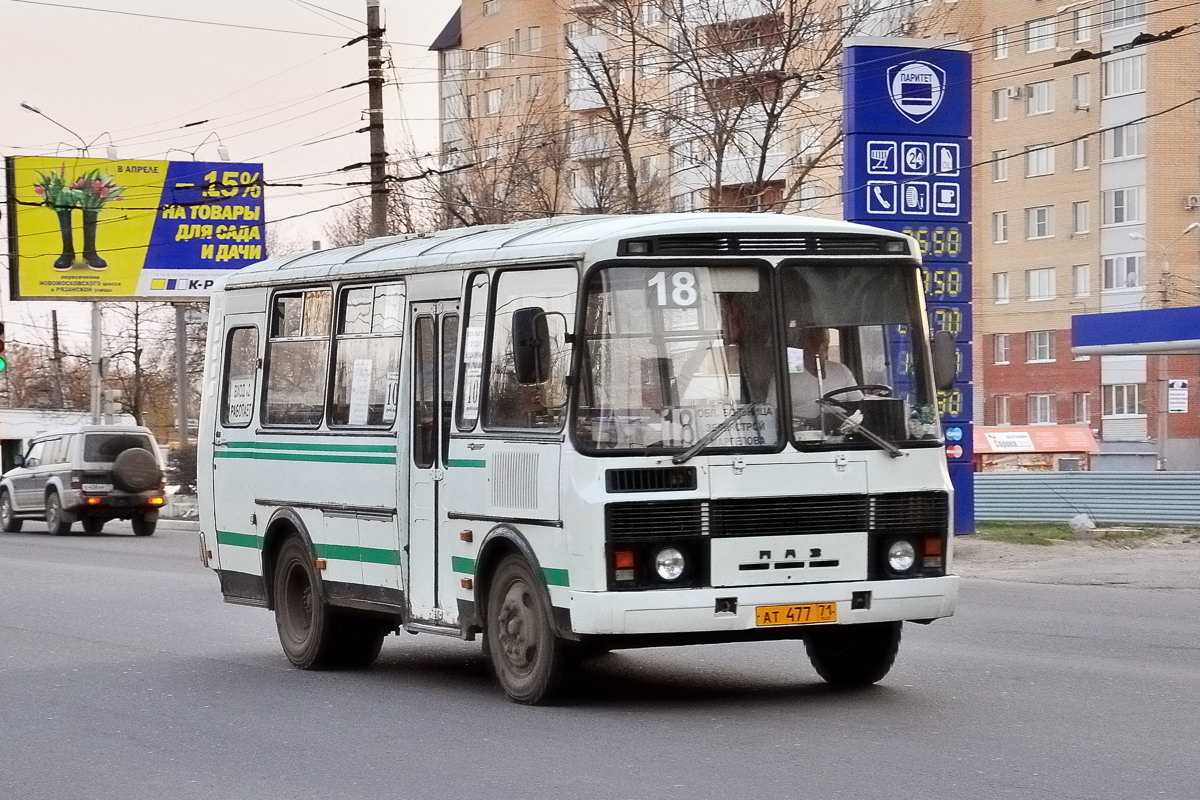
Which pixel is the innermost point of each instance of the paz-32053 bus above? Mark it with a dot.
(583, 433)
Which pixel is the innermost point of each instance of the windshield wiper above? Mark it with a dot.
(852, 423)
(708, 438)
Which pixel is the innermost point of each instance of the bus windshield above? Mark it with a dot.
(679, 357)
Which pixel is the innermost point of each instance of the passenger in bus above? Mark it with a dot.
(814, 374)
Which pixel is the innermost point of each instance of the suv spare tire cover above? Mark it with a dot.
(136, 470)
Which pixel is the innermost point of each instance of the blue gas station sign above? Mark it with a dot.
(908, 156)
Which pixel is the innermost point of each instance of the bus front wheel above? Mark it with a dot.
(854, 655)
(526, 655)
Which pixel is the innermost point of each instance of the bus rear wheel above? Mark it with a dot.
(854, 655)
(301, 613)
(526, 655)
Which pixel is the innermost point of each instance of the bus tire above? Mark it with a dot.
(306, 625)
(854, 655)
(526, 656)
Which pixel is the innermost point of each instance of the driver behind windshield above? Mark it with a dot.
(813, 374)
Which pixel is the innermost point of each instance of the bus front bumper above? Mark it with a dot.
(732, 609)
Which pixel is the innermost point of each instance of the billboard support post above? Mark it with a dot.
(181, 380)
(97, 377)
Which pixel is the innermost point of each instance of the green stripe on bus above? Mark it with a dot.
(240, 540)
(554, 577)
(323, 457)
(366, 555)
(333, 447)
(474, 463)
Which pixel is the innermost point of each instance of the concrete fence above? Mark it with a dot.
(1162, 498)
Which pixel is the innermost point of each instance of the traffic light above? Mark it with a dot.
(3, 358)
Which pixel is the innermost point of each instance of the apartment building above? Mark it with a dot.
(1085, 195)
(1086, 177)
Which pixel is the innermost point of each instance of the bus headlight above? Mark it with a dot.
(669, 563)
(901, 556)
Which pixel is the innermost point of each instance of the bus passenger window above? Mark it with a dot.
(297, 353)
(241, 369)
(543, 405)
(366, 360)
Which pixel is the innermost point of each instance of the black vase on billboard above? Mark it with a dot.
(89, 240)
(67, 259)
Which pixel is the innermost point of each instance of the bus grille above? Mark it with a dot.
(761, 244)
(779, 516)
(669, 479)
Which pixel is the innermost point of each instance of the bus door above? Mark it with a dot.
(434, 335)
(234, 435)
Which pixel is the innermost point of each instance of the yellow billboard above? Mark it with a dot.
(99, 229)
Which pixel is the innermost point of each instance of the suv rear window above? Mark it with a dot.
(107, 446)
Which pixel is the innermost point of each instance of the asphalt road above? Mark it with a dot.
(123, 675)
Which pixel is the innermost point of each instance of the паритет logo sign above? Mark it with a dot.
(916, 89)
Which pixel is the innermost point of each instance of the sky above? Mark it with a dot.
(178, 80)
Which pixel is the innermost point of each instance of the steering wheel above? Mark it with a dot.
(876, 389)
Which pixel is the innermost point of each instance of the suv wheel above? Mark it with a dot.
(8, 519)
(144, 524)
(57, 520)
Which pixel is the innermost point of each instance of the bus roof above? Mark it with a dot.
(554, 238)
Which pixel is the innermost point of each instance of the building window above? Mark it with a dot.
(1081, 24)
(1081, 280)
(651, 14)
(1041, 409)
(999, 43)
(999, 165)
(1039, 283)
(1039, 34)
(1081, 153)
(489, 7)
(1000, 227)
(1002, 350)
(1122, 14)
(1124, 76)
(1123, 400)
(1081, 90)
(1082, 401)
(1002, 414)
(493, 101)
(1000, 287)
(1123, 206)
(1039, 98)
(533, 39)
(1039, 160)
(1039, 346)
(1000, 104)
(1126, 141)
(1081, 217)
(1124, 271)
(1038, 222)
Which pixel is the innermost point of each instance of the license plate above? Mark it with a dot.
(802, 614)
(97, 487)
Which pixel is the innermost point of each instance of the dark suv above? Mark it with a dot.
(92, 473)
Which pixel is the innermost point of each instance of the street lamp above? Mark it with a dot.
(41, 113)
(1163, 406)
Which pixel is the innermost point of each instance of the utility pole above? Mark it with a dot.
(58, 378)
(379, 188)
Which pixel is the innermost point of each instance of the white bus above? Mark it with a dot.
(579, 434)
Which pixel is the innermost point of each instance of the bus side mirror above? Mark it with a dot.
(945, 360)
(531, 346)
